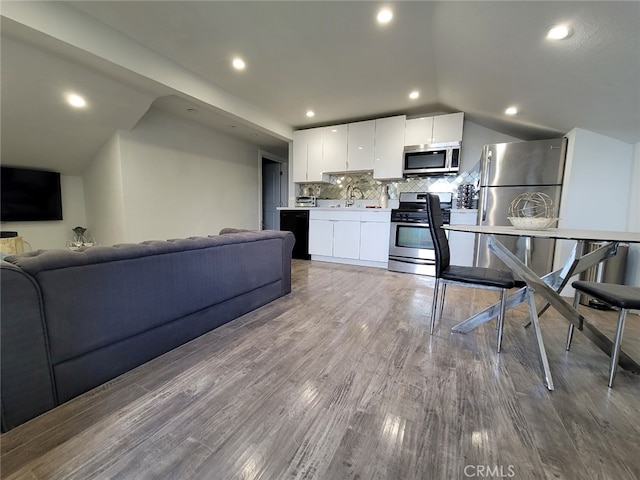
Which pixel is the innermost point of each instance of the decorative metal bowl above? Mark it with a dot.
(532, 211)
(532, 223)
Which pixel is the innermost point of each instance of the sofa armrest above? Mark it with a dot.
(27, 387)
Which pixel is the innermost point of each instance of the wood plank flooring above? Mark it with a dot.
(341, 380)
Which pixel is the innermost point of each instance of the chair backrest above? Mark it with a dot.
(440, 242)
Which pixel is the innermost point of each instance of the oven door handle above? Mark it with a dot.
(414, 261)
(409, 224)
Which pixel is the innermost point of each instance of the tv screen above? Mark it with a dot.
(29, 195)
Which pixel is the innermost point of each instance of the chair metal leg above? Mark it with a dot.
(503, 301)
(533, 313)
(434, 305)
(615, 352)
(444, 292)
(576, 299)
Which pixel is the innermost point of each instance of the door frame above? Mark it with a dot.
(284, 182)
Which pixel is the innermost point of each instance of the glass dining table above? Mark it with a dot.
(550, 285)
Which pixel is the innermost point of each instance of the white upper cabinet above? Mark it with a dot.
(448, 128)
(389, 147)
(315, 166)
(307, 155)
(300, 155)
(370, 145)
(361, 141)
(334, 148)
(418, 131)
(438, 129)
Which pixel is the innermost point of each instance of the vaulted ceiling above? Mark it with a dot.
(476, 57)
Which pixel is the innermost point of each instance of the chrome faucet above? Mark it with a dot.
(350, 198)
(351, 195)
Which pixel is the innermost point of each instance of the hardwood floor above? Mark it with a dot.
(341, 380)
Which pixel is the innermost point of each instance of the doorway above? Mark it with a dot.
(274, 191)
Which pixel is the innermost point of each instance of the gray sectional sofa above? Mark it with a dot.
(71, 321)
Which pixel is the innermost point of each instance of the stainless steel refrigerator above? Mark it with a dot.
(507, 170)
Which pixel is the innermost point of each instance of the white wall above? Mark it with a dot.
(597, 184)
(182, 179)
(474, 137)
(633, 260)
(103, 195)
(56, 233)
(597, 187)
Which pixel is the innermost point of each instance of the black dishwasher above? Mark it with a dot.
(297, 221)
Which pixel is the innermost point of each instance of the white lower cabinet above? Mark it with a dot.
(334, 238)
(346, 239)
(462, 244)
(374, 236)
(357, 237)
(321, 237)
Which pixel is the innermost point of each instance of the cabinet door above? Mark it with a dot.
(346, 239)
(462, 244)
(300, 155)
(361, 140)
(334, 148)
(448, 128)
(314, 155)
(321, 237)
(418, 131)
(389, 147)
(374, 241)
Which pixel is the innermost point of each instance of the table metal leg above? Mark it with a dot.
(556, 301)
(544, 362)
(556, 281)
(489, 313)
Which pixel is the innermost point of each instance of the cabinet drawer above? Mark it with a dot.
(376, 216)
(334, 215)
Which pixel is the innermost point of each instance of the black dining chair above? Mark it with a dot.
(622, 298)
(476, 277)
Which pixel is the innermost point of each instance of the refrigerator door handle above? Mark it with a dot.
(483, 205)
(488, 165)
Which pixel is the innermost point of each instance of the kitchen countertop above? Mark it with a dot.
(349, 209)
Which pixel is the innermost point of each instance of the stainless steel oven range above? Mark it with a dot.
(411, 248)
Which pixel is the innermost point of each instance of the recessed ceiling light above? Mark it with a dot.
(76, 100)
(413, 95)
(558, 32)
(384, 16)
(511, 111)
(238, 63)
(310, 113)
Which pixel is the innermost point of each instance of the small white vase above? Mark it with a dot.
(384, 196)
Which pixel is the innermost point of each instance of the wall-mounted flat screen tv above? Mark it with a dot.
(28, 195)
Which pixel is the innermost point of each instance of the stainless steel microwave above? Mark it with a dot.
(434, 159)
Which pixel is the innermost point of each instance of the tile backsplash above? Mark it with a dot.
(370, 188)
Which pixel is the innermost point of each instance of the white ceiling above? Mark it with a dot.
(477, 57)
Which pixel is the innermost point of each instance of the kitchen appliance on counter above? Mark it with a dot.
(508, 170)
(306, 201)
(411, 248)
(432, 159)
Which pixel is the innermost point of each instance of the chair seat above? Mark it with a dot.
(488, 277)
(621, 296)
